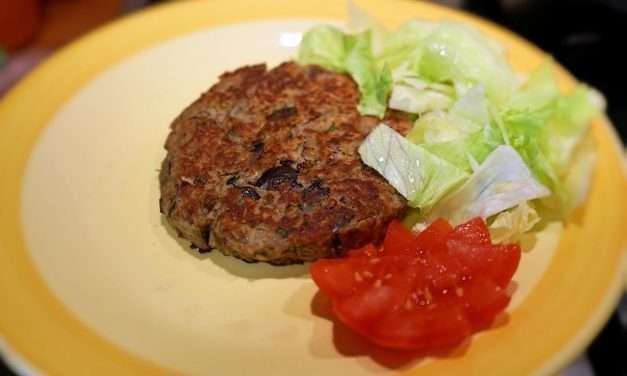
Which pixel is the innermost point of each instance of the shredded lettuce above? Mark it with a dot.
(508, 226)
(464, 135)
(423, 65)
(417, 96)
(475, 124)
(578, 179)
(402, 49)
(501, 182)
(326, 46)
(421, 177)
(414, 94)
(375, 83)
(538, 92)
(545, 127)
(330, 48)
(360, 21)
(460, 54)
(571, 116)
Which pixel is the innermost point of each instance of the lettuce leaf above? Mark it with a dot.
(508, 226)
(359, 21)
(374, 83)
(417, 96)
(454, 52)
(330, 48)
(418, 175)
(423, 64)
(463, 136)
(326, 46)
(468, 103)
(501, 182)
(578, 179)
(401, 50)
(545, 127)
(569, 121)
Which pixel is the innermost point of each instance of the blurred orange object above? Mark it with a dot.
(65, 20)
(19, 21)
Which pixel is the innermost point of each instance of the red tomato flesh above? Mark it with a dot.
(421, 291)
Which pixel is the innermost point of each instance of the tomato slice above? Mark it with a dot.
(508, 263)
(483, 299)
(334, 277)
(498, 261)
(399, 239)
(423, 291)
(473, 232)
(424, 328)
(433, 236)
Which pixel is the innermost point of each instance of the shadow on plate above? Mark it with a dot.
(350, 344)
(237, 267)
(331, 339)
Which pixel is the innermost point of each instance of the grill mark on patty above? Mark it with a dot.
(275, 176)
(205, 234)
(232, 180)
(250, 192)
(257, 148)
(315, 192)
(282, 114)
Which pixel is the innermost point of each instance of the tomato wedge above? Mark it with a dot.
(421, 291)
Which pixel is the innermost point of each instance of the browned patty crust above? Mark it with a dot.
(264, 166)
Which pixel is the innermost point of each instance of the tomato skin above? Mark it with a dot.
(510, 261)
(473, 232)
(366, 250)
(421, 291)
(498, 261)
(363, 308)
(333, 277)
(483, 300)
(398, 239)
(433, 236)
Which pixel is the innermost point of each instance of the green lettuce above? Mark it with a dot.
(360, 21)
(571, 116)
(424, 65)
(402, 49)
(326, 46)
(421, 177)
(460, 54)
(501, 182)
(508, 226)
(374, 83)
(467, 104)
(545, 127)
(418, 96)
(335, 50)
(578, 178)
(464, 135)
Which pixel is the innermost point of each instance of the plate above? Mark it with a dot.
(91, 279)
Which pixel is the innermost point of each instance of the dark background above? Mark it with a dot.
(588, 37)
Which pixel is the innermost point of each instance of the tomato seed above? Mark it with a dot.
(358, 277)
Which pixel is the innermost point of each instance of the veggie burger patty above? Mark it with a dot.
(264, 166)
